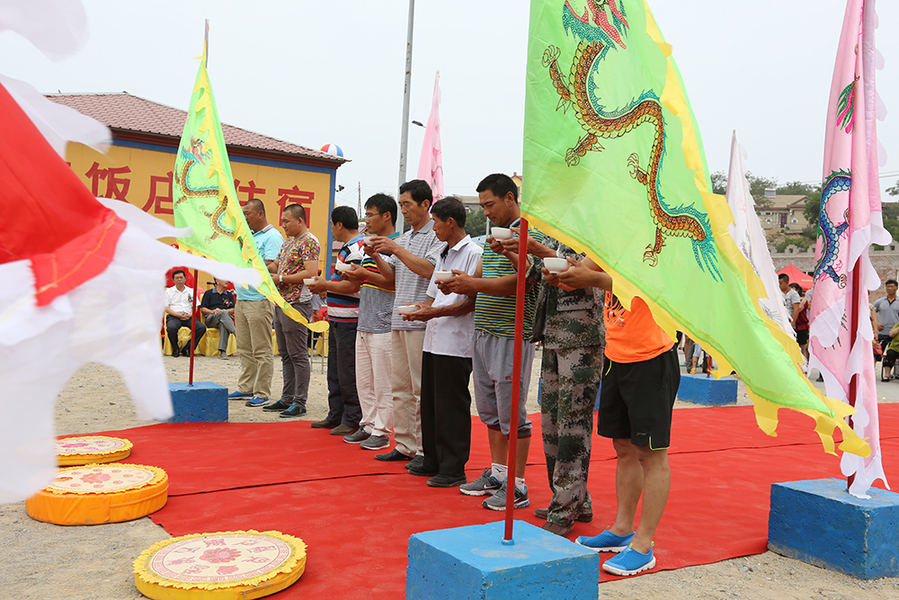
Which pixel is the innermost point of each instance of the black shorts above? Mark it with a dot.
(636, 400)
(802, 337)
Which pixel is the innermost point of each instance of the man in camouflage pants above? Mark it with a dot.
(572, 335)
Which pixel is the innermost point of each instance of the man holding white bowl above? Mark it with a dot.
(494, 284)
(569, 323)
(344, 412)
(410, 266)
(446, 360)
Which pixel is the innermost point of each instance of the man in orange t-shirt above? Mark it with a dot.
(639, 387)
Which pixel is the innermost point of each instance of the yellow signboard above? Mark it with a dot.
(144, 178)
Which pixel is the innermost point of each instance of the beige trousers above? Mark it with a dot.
(253, 325)
(407, 350)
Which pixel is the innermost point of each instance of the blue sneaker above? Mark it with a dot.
(257, 401)
(629, 562)
(605, 541)
(239, 396)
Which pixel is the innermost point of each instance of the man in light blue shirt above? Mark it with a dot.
(253, 316)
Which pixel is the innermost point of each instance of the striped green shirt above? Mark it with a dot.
(496, 314)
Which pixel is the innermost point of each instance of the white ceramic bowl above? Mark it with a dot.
(501, 233)
(309, 281)
(443, 275)
(343, 267)
(367, 239)
(405, 310)
(555, 265)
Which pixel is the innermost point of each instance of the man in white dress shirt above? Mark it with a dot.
(446, 360)
(178, 307)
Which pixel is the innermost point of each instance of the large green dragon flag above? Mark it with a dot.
(614, 166)
(205, 199)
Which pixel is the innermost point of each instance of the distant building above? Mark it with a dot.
(145, 137)
(785, 212)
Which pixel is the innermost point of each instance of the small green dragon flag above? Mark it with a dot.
(205, 198)
(614, 166)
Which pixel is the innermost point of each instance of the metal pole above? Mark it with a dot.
(404, 136)
(516, 377)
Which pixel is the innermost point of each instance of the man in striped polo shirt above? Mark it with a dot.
(411, 264)
(343, 313)
(494, 339)
(374, 367)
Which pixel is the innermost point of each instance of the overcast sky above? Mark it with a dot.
(314, 73)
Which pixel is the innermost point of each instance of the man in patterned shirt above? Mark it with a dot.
(298, 260)
(495, 285)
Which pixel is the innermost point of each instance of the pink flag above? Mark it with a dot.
(850, 220)
(430, 166)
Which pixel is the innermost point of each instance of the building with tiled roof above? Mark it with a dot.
(133, 118)
(146, 135)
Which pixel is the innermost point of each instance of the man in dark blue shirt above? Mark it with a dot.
(218, 308)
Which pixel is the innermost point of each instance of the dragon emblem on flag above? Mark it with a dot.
(600, 27)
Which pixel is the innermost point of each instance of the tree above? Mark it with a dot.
(894, 191)
(891, 215)
(475, 222)
(812, 210)
(719, 182)
(757, 187)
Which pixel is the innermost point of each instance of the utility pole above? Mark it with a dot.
(404, 136)
(359, 191)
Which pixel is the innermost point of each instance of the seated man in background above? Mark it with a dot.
(178, 305)
(218, 308)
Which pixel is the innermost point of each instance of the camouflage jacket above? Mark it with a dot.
(567, 319)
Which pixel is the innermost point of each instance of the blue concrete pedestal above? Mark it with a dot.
(202, 402)
(702, 389)
(819, 522)
(473, 563)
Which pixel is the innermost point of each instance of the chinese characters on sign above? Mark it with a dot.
(159, 199)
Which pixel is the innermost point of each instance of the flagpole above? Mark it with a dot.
(853, 336)
(404, 136)
(516, 377)
(193, 330)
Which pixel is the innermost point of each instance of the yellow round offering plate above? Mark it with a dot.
(94, 494)
(91, 449)
(220, 566)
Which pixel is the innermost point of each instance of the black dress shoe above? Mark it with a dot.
(393, 456)
(417, 462)
(185, 351)
(277, 406)
(324, 424)
(295, 410)
(422, 471)
(446, 481)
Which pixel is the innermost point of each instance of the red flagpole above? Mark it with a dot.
(516, 376)
(853, 335)
(193, 330)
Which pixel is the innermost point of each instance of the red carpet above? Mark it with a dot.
(356, 514)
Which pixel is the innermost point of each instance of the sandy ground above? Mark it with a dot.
(42, 561)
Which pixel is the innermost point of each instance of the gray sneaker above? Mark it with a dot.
(375, 442)
(357, 438)
(498, 500)
(485, 484)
